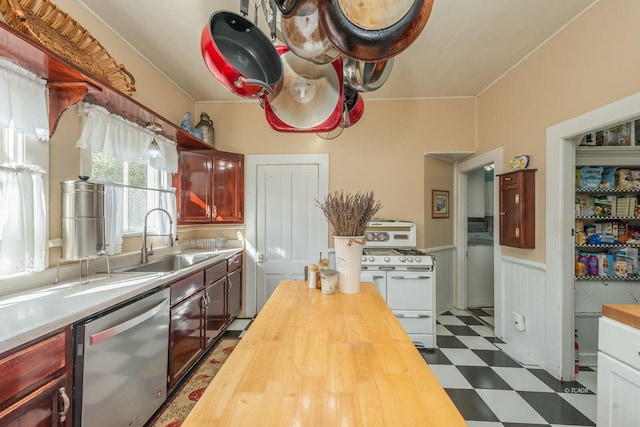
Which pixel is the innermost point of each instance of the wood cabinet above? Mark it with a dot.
(210, 187)
(517, 209)
(202, 306)
(234, 291)
(36, 386)
(186, 328)
(215, 318)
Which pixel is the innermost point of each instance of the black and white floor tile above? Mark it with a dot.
(491, 389)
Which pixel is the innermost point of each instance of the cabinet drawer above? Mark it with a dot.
(509, 181)
(235, 262)
(183, 288)
(31, 367)
(215, 272)
(415, 322)
(619, 341)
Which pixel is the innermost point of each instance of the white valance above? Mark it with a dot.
(114, 135)
(23, 104)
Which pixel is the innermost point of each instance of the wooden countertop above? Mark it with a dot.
(629, 314)
(325, 360)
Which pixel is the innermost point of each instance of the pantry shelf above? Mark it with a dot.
(607, 245)
(608, 279)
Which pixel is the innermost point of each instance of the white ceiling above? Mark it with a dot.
(466, 46)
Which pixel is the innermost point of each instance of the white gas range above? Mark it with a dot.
(404, 276)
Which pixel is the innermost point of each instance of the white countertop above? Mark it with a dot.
(35, 312)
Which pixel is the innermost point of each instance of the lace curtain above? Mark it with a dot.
(111, 134)
(23, 230)
(23, 104)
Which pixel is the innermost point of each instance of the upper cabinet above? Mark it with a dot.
(517, 209)
(210, 187)
(68, 85)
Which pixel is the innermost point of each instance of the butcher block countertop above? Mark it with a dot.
(310, 359)
(629, 314)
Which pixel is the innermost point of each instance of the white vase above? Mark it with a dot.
(348, 250)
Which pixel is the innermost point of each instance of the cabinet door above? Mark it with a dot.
(45, 407)
(618, 393)
(215, 319)
(517, 209)
(193, 184)
(509, 223)
(186, 341)
(228, 188)
(234, 295)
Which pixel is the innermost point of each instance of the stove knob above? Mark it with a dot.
(387, 259)
(401, 259)
(418, 259)
(410, 259)
(371, 259)
(364, 258)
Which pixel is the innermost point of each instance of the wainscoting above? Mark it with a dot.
(445, 277)
(523, 291)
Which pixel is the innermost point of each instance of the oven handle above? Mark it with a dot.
(408, 278)
(413, 316)
(126, 325)
(387, 267)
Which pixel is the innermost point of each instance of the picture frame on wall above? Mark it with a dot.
(439, 204)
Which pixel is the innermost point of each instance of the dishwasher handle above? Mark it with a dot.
(126, 325)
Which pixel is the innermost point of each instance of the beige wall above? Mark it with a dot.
(438, 175)
(383, 152)
(593, 62)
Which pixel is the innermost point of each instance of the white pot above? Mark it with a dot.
(348, 251)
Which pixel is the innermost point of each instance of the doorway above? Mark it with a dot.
(480, 229)
(285, 230)
(467, 175)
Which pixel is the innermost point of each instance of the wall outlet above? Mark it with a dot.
(518, 320)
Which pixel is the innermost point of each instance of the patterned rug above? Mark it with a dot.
(179, 406)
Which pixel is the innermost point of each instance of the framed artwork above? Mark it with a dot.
(439, 204)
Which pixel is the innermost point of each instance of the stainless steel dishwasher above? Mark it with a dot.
(120, 367)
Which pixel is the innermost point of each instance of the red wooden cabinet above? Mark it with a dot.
(517, 209)
(36, 390)
(210, 187)
(234, 290)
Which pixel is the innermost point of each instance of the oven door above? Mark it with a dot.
(410, 290)
(377, 277)
(410, 296)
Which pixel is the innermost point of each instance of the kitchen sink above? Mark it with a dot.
(170, 263)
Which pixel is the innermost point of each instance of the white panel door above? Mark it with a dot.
(287, 237)
(618, 393)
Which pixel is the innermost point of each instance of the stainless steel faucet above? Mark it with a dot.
(145, 255)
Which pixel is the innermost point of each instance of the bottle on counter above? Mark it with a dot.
(313, 276)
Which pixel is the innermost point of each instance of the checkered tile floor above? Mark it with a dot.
(490, 388)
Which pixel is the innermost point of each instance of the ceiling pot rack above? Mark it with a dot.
(362, 41)
(68, 85)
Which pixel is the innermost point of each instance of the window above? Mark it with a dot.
(138, 180)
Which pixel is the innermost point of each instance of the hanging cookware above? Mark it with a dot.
(352, 112)
(239, 55)
(373, 30)
(310, 98)
(353, 105)
(366, 76)
(304, 36)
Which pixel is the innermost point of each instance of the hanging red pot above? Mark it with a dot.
(310, 98)
(240, 55)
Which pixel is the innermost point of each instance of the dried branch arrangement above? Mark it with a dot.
(348, 214)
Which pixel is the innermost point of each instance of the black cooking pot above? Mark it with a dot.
(240, 56)
(349, 30)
